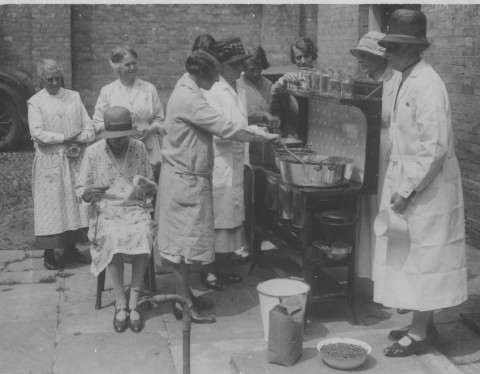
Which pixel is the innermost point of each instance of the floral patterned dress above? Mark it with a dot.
(119, 220)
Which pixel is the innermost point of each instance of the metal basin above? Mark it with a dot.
(279, 152)
(318, 170)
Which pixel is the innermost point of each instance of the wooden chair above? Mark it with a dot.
(148, 278)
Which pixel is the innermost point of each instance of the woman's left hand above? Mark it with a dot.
(273, 122)
(399, 203)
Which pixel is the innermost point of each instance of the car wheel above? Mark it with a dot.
(11, 126)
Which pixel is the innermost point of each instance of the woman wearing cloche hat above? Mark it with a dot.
(120, 225)
(426, 270)
(371, 58)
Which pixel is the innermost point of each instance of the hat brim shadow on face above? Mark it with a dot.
(117, 134)
(355, 50)
(403, 39)
(235, 59)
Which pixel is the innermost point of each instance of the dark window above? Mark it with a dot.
(387, 9)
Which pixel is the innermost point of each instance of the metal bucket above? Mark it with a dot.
(318, 170)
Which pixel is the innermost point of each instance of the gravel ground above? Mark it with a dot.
(16, 207)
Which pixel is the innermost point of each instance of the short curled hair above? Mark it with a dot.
(258, 57)
(202, 64)
(306, 45)
(118, 53)
(48, 65)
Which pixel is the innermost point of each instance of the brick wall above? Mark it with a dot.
(337, 33)
(29, 33)
(163, 34)
(453, 31)
(16, 37)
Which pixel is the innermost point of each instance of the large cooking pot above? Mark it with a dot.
(279, 152)
(318, 170)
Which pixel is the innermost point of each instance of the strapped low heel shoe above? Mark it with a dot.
(432, 334)
(415, 347)
(136, 325)
(120, 325)
(209, 280)
(194, 316)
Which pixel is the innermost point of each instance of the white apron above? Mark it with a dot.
(426, 270)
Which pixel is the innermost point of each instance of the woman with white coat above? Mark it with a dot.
(426, 270)
(228, 97)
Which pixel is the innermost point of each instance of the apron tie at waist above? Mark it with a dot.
(396, 158)
(177, 170)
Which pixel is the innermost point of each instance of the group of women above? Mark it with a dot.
(203, 219)
(200, 207)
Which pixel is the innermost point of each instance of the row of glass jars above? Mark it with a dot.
(324, 82)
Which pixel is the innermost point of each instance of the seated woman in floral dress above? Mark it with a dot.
(120, 226)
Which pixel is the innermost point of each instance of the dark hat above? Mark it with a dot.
(230, 51)
(406, 26)
(118, 122)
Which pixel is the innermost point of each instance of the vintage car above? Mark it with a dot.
(15, 89)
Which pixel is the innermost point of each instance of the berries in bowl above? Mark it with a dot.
(344, 353)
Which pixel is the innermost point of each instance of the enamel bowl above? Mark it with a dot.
(344, 363)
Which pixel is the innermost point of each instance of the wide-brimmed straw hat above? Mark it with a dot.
(406, 26)
(369, 43)
(230, 51)
(118, 122)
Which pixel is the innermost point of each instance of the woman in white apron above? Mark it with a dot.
(185, 220)
(228, 97)
(371, 58)
(426, 270)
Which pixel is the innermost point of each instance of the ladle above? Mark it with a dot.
(293, 154)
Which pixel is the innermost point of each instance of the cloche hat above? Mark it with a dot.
(118, 122)
(406, 26)
(230, 51)
(369, 43)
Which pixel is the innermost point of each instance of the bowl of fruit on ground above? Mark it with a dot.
(344, 353)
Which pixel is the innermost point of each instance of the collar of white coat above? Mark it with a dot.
(224, 85)
(418, 68)
(387, 75)
(188, 82)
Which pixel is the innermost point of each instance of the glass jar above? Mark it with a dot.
(335, 87)
(302, 78)
(311, 80)
(347, 86)
(324, 82)
(317, 77)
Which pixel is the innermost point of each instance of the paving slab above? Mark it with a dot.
(254, 359)
(27, 347)
(28, 303)
(113, 353)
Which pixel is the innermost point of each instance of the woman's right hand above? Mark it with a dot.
(275, 138)
(71, 138)
(290, 78)
(94, 190)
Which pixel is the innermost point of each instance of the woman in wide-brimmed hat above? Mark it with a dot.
(426, 270)
(120, 226)
(371, 58)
